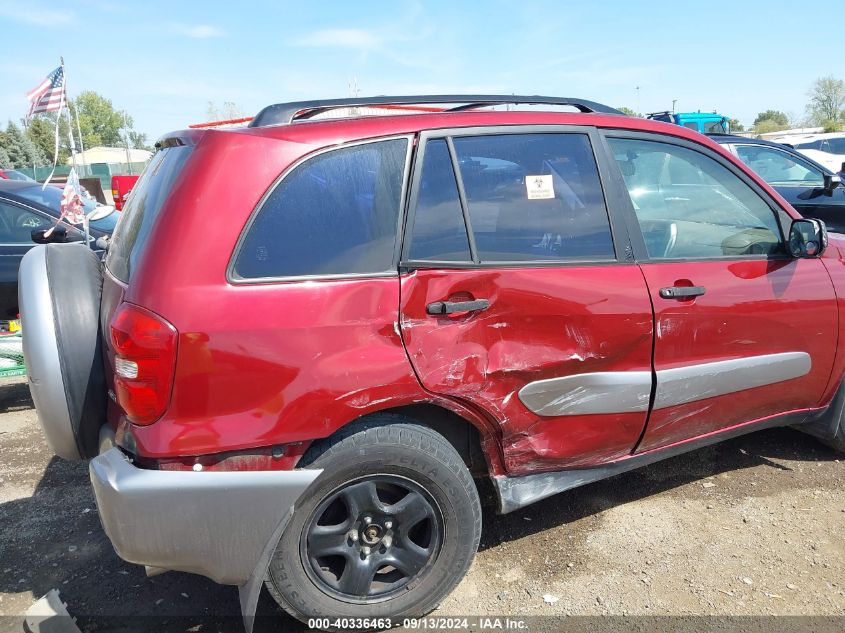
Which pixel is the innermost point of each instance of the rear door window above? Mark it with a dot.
(439, 232)
(143, 207)
(335, 214)
(534, 197)
(528, 197)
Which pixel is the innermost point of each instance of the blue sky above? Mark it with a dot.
(163, 61)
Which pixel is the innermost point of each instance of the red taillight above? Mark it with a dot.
(145, 360)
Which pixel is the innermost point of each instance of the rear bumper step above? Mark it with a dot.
(217, 524)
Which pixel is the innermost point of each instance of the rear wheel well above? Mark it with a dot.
(464, 437)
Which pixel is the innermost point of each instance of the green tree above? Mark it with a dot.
(138, 140)
(41, 131)
(827, 102)
(5, 161)
(21, 151)
(776, 117)
(99, 122)
(768, 125)
(736, 126)
(101, 125)
(629, 112)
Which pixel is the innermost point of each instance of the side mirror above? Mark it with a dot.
(831, 182)
(102, 211)
(58, 236)
(807, 238)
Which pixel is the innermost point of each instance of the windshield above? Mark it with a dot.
(51, 198)
(715, 127)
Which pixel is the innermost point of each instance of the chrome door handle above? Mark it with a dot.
(682, 292)
(451, 307)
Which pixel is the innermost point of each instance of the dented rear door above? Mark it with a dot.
(517, 298)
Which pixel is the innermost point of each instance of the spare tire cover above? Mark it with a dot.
(59, 289)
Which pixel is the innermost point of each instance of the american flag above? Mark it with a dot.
(73, 211)
(49, 94)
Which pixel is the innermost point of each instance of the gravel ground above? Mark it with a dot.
(755, 526)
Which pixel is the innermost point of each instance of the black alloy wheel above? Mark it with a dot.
(369, 539)
(386, 530)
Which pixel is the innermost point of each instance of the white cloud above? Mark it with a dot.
(368, 42)
(197, 31)
(358, 39)
(37, 16)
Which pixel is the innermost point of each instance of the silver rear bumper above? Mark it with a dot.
(218, 524)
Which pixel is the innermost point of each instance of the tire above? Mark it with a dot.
(414, 472)
(59, 290)
(837, 442)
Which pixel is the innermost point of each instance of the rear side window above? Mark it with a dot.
(836, 145)
(534, 197)
(779, 168)
(439, 230)
(139, 215)
(334, 214)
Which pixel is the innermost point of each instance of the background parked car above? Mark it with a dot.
(808, 186)
(13, 174)
(25, 207)
(121, 187)
(827, 149)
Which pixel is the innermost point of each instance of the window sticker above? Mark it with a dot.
(539, 187)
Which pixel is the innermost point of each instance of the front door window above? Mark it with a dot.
(691, 207)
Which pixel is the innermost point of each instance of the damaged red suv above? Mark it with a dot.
(314, 340)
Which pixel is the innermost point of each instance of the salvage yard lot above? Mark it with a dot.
(753, 526)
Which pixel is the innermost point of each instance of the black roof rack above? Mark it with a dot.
(285, 113)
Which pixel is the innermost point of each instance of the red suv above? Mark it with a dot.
(317, 340)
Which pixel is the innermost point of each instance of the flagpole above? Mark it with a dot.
(62, 96)
(79, 131)
(69, 117)
(78, 128)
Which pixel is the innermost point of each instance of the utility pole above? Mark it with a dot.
(638, 101)
(674, 101)
(126, 140)
(354, 91)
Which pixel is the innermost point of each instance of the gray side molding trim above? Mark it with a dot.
(40, 346)
(630, 391)
(708, 380)
(600, 392)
